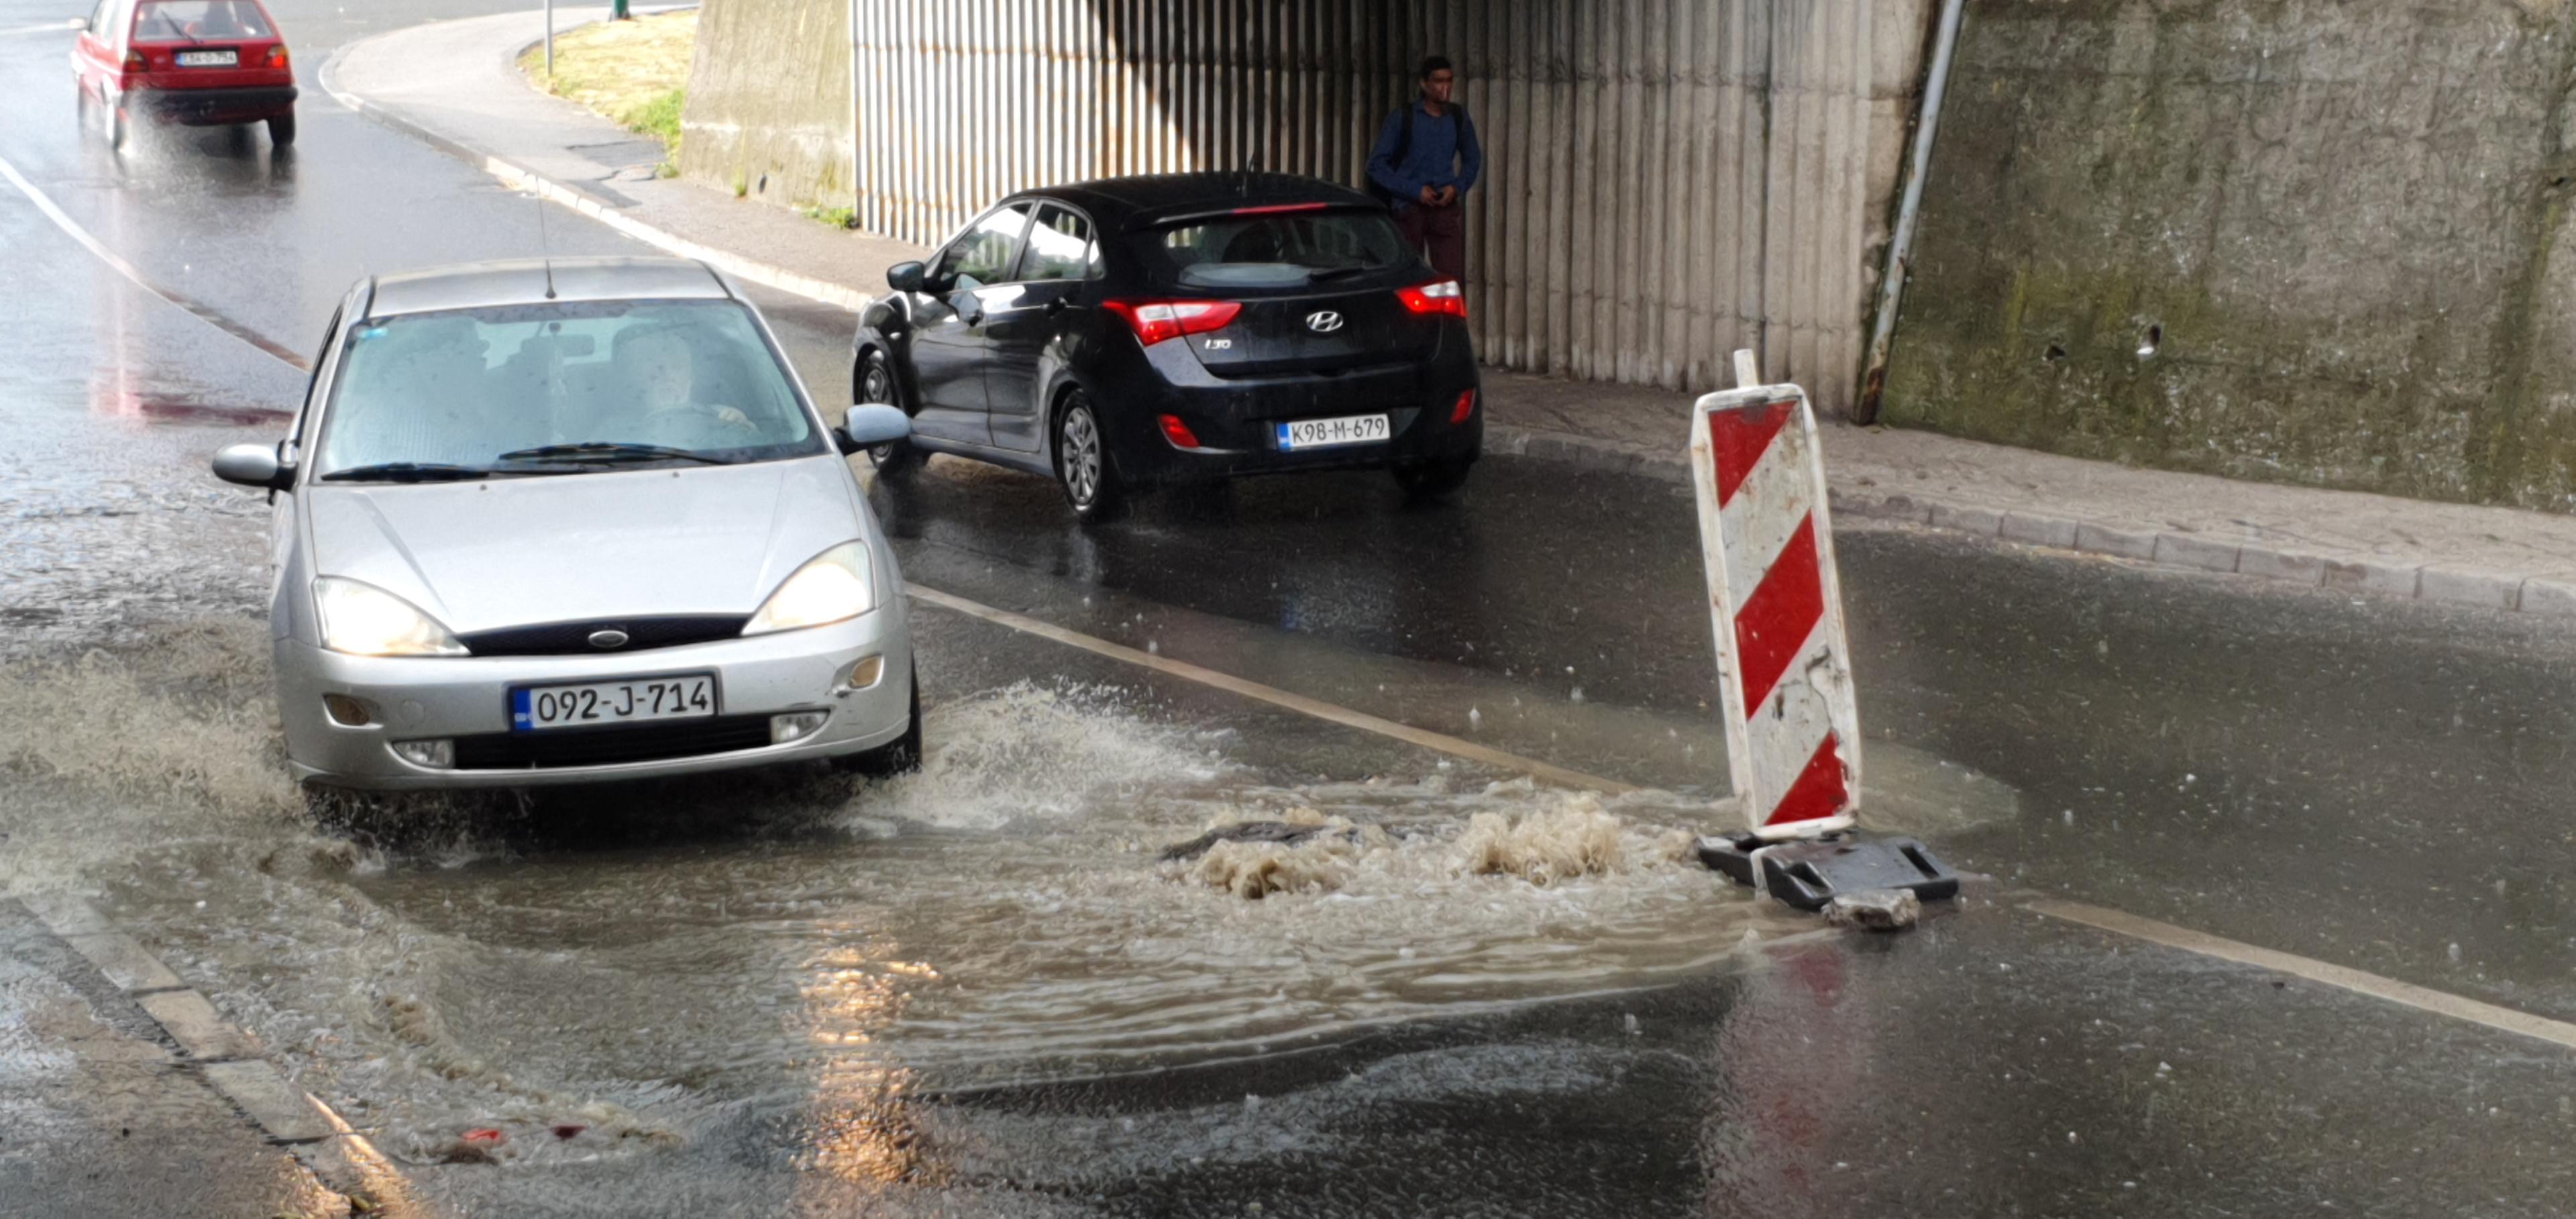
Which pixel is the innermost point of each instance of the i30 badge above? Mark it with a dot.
(1323, 321)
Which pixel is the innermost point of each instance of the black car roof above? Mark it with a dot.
(1126, 201)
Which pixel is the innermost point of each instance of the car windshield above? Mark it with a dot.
(200, 19)
(1279, 249)
(561, 388)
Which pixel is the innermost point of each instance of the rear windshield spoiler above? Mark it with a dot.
(1164, 220)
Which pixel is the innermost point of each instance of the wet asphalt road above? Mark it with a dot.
(734, 976)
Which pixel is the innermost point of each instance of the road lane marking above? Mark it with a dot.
(1273, 695)
(117, 262)
(2502, 1019)
(55, 27)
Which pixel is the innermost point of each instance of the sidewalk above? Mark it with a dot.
(455, 85)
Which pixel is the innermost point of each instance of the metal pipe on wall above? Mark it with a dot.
(1891, 291)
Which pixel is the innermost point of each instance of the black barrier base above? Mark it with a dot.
(1808, 875)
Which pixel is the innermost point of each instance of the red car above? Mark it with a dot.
(199, 62)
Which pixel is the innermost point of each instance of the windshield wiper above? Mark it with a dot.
(171, 24)
(602, 450)
(1338, 273)
(408, 472)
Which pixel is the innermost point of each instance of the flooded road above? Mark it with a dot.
(983, 990)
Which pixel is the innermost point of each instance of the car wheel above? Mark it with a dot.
(116, 126)
(1433, 479)
(281, 130)
(1082, 461)
(875, 383)
(901, 757)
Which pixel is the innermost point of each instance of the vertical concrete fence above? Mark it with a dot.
(1666, 180)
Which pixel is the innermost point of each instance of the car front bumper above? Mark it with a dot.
(467, 699)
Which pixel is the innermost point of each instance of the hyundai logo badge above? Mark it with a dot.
(607, 639)
(1323, 321)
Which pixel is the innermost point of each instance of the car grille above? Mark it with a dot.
(573, 638)
(609, 746)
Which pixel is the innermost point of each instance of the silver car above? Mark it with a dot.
(571, 520)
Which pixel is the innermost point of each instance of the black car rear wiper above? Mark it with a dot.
(610, 451)
(1338, 273)
(408, 472)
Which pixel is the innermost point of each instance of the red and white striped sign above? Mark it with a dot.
(1784, 667)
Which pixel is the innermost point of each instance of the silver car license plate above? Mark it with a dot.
(600, 703)
(1325, 433)
(209, 59)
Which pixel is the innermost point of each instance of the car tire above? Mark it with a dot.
(1433, 479)
(901, 757)
(1082, 462)
(281, 131)
(875, 375)
(116, 127)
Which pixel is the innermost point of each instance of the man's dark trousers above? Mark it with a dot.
(1443, 231)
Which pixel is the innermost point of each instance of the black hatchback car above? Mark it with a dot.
(1130, 333)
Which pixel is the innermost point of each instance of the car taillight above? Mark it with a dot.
(1155, 321)
(1466, 407)
(1179, 433)
(1444, 296)
(134, 62)
(277, 58)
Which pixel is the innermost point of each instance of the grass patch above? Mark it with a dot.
(634, 72)
(838, 217)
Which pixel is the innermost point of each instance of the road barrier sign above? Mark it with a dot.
(1776, 606)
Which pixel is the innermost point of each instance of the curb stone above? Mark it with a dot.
(224, 1054)
(2500, 590)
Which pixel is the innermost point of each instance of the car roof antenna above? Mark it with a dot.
(1251, 166)
(543, 250)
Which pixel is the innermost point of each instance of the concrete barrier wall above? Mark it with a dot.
(1666, 180)
(768, 112)
(2302, 240)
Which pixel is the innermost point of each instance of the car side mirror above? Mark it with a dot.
(257, 465)
(871, 424)
(906, 276)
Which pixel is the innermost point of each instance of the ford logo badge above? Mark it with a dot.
(1323, 321)
(607, 639)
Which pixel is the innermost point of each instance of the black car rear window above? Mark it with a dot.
(1273, 249)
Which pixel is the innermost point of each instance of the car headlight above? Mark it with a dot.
(834, 586)
(364, 620)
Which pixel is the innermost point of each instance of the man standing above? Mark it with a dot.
(1426, 161)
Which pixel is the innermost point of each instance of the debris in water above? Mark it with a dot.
(569, 1129)
(1875, 910)
(486, 1136)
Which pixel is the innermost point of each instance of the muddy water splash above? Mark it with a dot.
(761, 945)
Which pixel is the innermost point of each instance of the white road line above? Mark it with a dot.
(2503, 1019)
(116, 262)
(1275, 696)
(57, 27)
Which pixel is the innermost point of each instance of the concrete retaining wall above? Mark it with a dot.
(2302, 240)
(1666, 180)
(768, 112)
